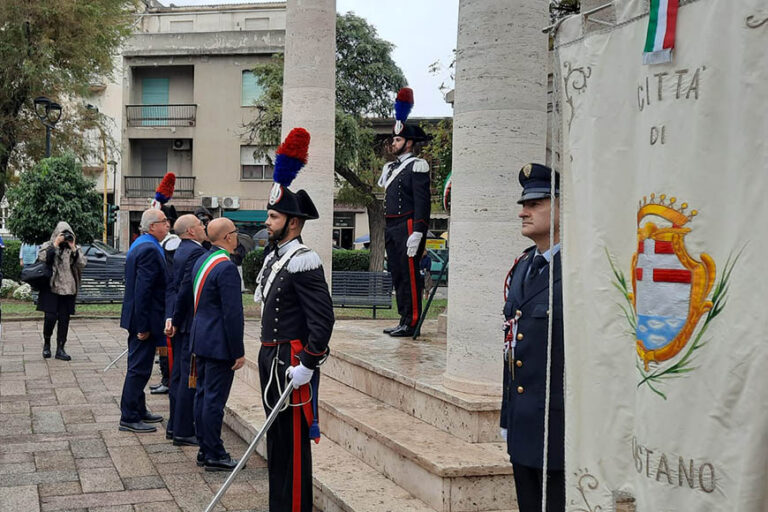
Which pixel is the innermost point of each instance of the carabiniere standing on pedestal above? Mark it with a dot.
(525, 349)
(296, 325)
(407, 208)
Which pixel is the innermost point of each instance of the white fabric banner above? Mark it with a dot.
(665, 205)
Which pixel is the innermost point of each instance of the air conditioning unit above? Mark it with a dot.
(230, 202)
(182, 144)
(210, 202)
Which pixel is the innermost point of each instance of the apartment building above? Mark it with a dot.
(187, 92)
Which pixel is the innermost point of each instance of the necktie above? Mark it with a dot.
(537, 264)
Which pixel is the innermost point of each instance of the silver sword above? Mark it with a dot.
(116, 360)
(252, 446)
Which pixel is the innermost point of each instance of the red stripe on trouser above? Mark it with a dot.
(300, 395)
(412, 274)
(296, 504)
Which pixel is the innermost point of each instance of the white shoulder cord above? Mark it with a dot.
(550, 316)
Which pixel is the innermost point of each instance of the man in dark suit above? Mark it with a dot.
(525, 356)
(216, 338)
(143, 315)
(181, 425)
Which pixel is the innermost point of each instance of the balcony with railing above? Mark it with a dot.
(161, 115)
(144, 186)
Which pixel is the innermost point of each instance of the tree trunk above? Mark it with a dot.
(376, 225)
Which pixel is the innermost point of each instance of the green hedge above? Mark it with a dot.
(351, 260)
(11, 267)
(342, 260)
(251, 266)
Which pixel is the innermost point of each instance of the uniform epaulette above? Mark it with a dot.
(304, 261)
(420, 165)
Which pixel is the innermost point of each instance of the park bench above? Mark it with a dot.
(101, 284)
(362, 290)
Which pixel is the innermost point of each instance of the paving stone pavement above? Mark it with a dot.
(60, 449)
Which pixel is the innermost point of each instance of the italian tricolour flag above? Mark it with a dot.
(213, 259)
(661, 32)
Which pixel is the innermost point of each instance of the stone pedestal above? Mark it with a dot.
(309, 99)
(499, 125)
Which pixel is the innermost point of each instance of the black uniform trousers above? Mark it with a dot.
(528, 482)
(406, 279)
(289, 456)
(214, 382)
(141, 357)
(183, 410)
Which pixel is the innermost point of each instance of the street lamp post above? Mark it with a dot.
(49, 113)
(113, 165)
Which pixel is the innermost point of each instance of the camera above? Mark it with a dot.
(69, 237)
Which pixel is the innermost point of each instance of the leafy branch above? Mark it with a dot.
(620, 283)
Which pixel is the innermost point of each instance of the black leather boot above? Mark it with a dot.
(60, 354)
(47, 348)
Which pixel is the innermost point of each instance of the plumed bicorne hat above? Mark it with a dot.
(163, 194)
(403, 107)
(291, 156)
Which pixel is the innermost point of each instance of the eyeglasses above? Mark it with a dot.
(164, 221)
(235, 231)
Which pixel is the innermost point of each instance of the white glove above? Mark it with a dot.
(503, 433)
(299, 375)
(413, 243)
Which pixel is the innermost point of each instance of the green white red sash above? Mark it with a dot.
(211, 261)
(660, 39)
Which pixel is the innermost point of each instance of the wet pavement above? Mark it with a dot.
(60, 448)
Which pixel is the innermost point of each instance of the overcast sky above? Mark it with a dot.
(423, 31)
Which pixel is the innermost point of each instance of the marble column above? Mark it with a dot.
(500, 116)
(309, 100)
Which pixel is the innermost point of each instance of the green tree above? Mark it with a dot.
(367, 80)
(53, 48)
(439, 153)
(54, 190)
(562, 8)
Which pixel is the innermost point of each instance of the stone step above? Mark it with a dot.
(408, 375)
(447, 473)
(342, 483)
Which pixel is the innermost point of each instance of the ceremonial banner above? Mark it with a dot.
(665, 258)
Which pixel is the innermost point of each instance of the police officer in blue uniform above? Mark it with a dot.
(407, 211)
(179, 310)
(216, 339)
(143, 316)
(527, 315)
(296, 325)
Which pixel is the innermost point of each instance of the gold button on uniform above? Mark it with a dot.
(520, 390)
(519, 363)
(519, 336)
(518, 313)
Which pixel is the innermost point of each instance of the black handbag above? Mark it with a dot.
(37, 275)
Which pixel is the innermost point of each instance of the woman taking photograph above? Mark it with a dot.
(58, 301)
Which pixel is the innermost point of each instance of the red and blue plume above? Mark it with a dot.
(164, 190)
(403, 104)
(291, 156)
